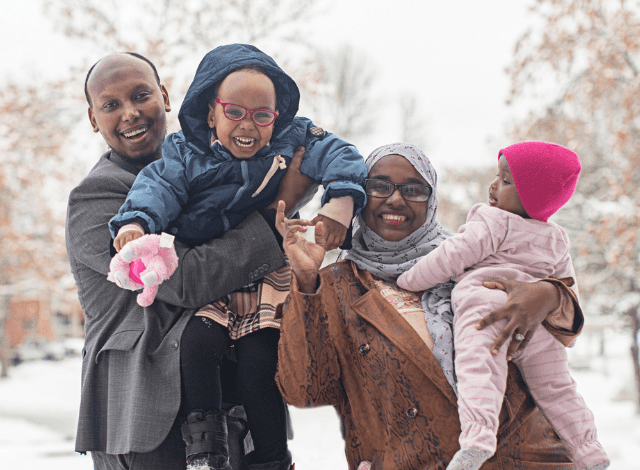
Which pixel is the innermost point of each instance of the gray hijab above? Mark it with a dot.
(387, 260)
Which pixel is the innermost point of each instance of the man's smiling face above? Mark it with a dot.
(128, 107)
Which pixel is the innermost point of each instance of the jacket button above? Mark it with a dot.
(412, 412)
(175, 344)
(364, 348)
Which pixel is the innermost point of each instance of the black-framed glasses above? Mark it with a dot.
(410, 192)
(235, 112)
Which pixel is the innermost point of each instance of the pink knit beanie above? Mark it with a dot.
(545, 176)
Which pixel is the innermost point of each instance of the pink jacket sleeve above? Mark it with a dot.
(565, 269)
(478, 238)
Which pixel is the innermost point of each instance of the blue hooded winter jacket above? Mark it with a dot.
(197, 191)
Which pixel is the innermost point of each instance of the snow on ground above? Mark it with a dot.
(39, 401)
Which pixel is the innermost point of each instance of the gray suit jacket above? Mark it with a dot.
(131, 360)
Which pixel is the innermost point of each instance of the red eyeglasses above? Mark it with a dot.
(235, 112)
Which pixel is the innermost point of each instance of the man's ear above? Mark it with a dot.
(92, 119)
(165, 98)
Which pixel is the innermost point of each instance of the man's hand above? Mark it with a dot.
(334, 232)
(294, 186)
(125, 237)
(305, 257)
(526, 308)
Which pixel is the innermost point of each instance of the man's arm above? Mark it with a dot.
(222, 265)
(205, 273)
(91, 205)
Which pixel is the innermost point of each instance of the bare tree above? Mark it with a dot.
(458, 190)
(342, 93)
(175, 34)
(414, 126)
(42, 156)
(582, 65)
(32, 135)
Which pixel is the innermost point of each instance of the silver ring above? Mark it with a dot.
(519, 337)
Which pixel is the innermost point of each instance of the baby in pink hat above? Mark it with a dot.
(511, 238)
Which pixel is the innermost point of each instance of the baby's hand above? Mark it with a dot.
(334, 232)
(125, 237)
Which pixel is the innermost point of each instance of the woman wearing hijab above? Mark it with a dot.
(382, 356)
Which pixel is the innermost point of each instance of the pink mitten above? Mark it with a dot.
(144, 263)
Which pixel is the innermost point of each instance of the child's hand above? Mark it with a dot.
(146, 263)
(334, 232)
(125, 237)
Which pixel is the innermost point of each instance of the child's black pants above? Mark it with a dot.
(203, 347)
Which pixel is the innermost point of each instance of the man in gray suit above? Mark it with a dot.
(131, 359)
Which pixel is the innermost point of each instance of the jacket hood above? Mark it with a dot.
(215, 66)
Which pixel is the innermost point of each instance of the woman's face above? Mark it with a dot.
(393, 218)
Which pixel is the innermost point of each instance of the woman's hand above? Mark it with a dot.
(527, 306)
(305, 257)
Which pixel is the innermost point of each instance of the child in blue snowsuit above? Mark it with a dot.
(239, 133)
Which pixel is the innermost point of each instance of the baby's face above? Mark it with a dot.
(254, 91)
(502, 192)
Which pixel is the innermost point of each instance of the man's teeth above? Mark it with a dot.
(242, 142)
(128, 135)
(393, 217)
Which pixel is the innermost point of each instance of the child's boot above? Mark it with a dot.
(205, 435)
(284, 464)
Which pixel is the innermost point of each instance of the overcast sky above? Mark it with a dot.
(451, 53)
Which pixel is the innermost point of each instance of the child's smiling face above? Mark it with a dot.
(252, 90)
(502, 192)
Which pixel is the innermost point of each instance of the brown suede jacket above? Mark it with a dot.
(347, 347)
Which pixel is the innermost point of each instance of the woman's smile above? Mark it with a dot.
(393, 219)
